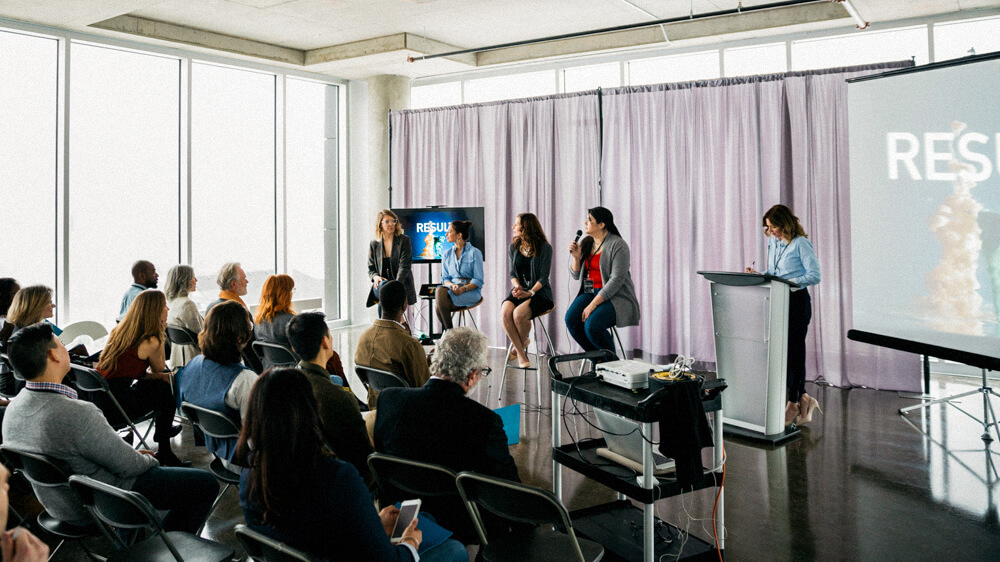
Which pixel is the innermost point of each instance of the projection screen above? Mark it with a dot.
(925, 205)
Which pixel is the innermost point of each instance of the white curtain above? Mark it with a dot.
(537, 155)
(688, 170)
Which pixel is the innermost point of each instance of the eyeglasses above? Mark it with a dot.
(485, 371)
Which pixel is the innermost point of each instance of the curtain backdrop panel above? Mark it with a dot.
(538, 155)
(689, 169)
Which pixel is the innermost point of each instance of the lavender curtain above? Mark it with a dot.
(538, 155)
(689, 169)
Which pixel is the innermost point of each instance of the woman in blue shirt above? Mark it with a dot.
(461, 274)
(790, 255)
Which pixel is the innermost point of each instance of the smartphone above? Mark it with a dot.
(407, 513)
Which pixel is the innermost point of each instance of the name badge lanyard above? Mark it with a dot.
(777, 258)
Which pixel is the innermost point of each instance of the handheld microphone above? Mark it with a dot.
(579, 233)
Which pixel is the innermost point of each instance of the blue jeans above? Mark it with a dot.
(449, 551)
(185, 493)
(592, 334)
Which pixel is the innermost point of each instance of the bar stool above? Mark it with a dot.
(537, 325)
(461, 314)
(621, 348)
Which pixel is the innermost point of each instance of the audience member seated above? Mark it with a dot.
(144, 276)
(17, 544)
(216, 379)
(438, 424)
(274, 312)
(343, 427)
(388, 345)
(8, 288)
(299, 493)
(233, 284)
(32, 305)
(183, 312)
(48, 419)
(134, 364)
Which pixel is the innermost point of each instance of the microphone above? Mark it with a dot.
(579, 233)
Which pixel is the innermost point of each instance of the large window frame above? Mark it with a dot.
(336, 296)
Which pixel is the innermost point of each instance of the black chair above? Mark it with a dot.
(123, 509)
(90, 381)
(181, 336)
(275, 354)
(219, 426)
(519, 503)
(379, 380)
(10, 381)
(263, 548)
(425, 481)
(44, 472)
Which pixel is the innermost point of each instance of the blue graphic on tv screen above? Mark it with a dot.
(427, 227)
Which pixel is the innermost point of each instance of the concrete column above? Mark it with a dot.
(370, 102)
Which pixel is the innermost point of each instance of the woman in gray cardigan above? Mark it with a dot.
(607, 296)
(529, 260)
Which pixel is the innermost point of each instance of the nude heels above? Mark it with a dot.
(813, 405)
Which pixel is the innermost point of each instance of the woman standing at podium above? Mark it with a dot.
(607, 297)
(790, 256)
(389, 257)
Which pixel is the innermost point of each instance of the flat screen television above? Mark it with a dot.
(426, 228)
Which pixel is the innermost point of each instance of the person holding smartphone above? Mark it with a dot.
(295, 490)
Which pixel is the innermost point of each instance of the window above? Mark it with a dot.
(677, 68)
(757, 59)
(124, 177)
(436, 95)
(28, 98)
(510, 87)
(232, 175)
(867, 47)
(954, 40)
(310, 186)
(592, 77)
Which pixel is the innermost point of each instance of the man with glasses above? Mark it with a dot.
(439, 424)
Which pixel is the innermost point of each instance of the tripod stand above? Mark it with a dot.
(988, 411)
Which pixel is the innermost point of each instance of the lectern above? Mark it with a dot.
(750, 316)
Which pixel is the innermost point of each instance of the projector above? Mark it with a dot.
(629, 374)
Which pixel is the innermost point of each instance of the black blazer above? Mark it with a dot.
(541, 265)
(436, 423)
(399, 263)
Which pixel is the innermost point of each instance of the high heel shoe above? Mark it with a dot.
(791, 412)
(808, 415)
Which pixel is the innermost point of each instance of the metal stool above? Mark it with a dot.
(621, 348)
(537, 325)
(461, 314)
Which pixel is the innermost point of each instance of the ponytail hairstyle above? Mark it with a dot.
(600, 215)
(463, 229)
(783, 218)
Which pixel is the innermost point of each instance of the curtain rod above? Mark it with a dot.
(738, 10)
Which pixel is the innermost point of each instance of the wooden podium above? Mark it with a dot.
(750, 315)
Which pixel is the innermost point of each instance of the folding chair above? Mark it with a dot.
(45, 472)
(123, 509)
(95, 330)
(422, 480)
(218, 426)
(378, 379)
(262, 548)
(275, 354)
(179, 335)
(89, 380)
(519, 503)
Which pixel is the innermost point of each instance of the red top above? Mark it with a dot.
(129, 366)
(594, 270)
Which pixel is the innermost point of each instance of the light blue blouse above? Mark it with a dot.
(795, 261)
(470, 267)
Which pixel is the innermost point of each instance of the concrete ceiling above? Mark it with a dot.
(361, 38)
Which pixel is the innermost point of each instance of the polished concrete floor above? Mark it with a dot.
(861, 483)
